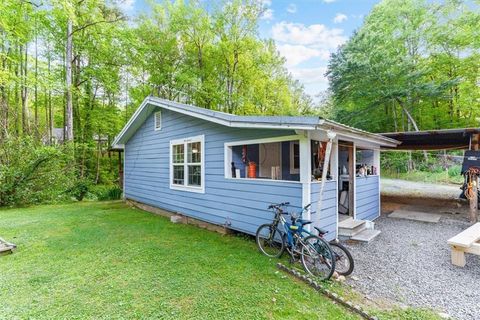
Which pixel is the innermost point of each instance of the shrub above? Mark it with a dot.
(396, 162)
(106, 192)
(454, 171)
(33, 173)
(80, 189)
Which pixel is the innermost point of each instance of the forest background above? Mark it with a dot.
(73, 72)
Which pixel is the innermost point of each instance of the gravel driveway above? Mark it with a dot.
(404, 188)
(409, 263)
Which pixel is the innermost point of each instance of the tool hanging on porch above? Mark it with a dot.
(318, 156)
(331, 135)
(471, 172)
(471, 191)
(6, 247)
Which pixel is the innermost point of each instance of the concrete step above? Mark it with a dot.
(350, 223)
(366, 235)
(415, 215)
(350, 227)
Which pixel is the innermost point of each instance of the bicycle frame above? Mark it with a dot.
(301, 244)
(293, 235)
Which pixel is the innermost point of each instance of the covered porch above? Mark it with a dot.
(338, 173)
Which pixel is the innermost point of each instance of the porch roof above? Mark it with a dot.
(460, 138)
(264, 122)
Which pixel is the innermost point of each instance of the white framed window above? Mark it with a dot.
(187, 159)
(158, 120)
(261, 159)
(294, 157)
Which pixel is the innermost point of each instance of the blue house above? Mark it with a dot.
(226, 169)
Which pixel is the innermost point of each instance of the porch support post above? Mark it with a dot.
(474, 200)
(352, 155)
(334, 174)
(305, 171)
(376, 163)
(331, 135)
(120, 169)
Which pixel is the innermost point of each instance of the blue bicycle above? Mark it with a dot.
(273, 239)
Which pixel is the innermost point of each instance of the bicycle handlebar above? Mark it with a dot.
(278, 205)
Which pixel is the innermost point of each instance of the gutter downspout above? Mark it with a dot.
(331, 135)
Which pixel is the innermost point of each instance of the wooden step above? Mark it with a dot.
(350, 227)
(366, 235)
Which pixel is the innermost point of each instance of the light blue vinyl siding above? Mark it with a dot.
(327, 218)
(239, 203)
(367, 198)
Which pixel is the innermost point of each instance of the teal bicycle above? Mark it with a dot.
(314, 253)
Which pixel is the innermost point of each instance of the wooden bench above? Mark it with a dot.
(467, 241)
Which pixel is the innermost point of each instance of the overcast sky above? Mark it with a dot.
(306, 32)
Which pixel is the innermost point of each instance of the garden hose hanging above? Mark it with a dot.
(469, 189)
(470, 174)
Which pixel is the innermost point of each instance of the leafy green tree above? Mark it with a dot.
(73, 71)
(400, 68)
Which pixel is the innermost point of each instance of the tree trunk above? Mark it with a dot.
(50, 111)
(3, 99)
(48, 137)
(99, 153)
(394, 109)
(409, 116)
(24, 92)
(126, 98)
(36, 86)
(411, 121)
(3, 114)
(68, 83)
(17, 104)
(77, 126)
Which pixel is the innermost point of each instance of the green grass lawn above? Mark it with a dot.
(105, 260)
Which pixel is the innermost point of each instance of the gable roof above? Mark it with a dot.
(230, 120)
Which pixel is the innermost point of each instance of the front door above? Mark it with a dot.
(346, 181)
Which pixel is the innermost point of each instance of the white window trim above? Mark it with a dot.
(186, 187)
(155, 121)
(292, 169)
(228, 155)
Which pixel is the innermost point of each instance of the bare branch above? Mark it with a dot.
(32, 3)
(95, 23)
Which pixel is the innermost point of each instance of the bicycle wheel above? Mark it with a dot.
(270, 240)
(343, 259)
(317, 257)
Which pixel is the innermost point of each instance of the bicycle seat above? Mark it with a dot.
(321, 231)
